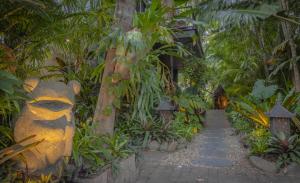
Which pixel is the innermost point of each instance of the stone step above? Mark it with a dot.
(216, 119)
(212, 162)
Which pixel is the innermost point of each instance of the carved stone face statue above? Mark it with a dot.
(47, 115)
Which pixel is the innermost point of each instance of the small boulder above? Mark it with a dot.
(164, 146)
(172, 146)
(182, 143)
(243, 140)
(181, 146)
(103, 177)
(263, 164)
(153, 145)
(293, 169)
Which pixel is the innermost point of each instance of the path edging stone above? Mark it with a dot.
(263, 164)
(167, 146)
(292, 170)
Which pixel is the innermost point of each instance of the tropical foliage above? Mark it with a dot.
(249, 47)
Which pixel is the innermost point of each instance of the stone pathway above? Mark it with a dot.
(214, 156)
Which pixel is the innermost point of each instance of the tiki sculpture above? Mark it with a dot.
(47, 115)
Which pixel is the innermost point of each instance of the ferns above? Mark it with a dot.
(246, 16)
(41, 26)
(241, 12)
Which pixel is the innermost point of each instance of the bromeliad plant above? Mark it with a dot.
(141, 134)
(286, 150)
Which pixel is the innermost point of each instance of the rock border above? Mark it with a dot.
(127, 172)
(167, 146)
(270, 167)
(292, 170)
(262, 164)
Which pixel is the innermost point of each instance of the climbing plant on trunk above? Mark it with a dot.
(105, 111)
(133, 63)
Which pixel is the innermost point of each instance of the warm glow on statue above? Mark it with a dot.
(48, 115)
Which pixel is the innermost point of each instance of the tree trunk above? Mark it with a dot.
(261, 41)
(105, 111)
(287, 31)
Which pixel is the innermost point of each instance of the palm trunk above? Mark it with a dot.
(261, 41)
(287, 31)
(105, 112)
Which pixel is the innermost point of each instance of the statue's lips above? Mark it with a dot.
(50, 108)
(52, 99)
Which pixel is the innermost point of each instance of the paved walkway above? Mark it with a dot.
(214, 156)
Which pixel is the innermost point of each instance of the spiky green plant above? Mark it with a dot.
(286, 150)
(252, 111)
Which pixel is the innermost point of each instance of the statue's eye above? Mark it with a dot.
(52, 105)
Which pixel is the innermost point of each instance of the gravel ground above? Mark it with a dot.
(234, 153)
